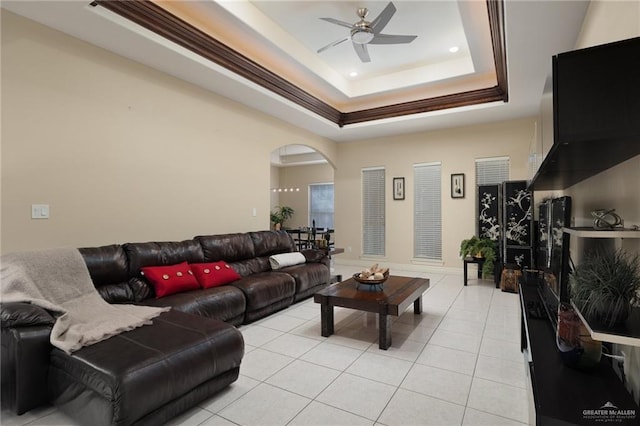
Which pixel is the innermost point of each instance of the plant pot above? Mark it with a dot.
(605, 286)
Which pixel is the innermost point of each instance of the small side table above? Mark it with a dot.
(480, 263)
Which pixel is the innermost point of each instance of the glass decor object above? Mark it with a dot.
(577, 348)
(606, 219)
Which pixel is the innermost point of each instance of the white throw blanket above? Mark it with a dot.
(59, 281)
(286, 259)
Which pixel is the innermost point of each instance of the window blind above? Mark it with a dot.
(321, 204)
(427, 220)
(373, 212)
(490, 171)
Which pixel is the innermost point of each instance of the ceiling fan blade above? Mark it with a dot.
(330, 45)
(392, 39)
(383, 19)
(361, 50)
(337, 22)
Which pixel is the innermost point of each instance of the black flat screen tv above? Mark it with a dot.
(596, 93)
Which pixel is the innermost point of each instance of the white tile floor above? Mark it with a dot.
(458, 363)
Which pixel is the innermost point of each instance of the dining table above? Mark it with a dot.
(310, 237)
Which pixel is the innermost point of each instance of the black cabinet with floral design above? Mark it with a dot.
(489, 209)
(517, 224)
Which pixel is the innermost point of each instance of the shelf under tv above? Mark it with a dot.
(627, 333)
(562, 394)
(589, 232)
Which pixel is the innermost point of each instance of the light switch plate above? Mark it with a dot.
(39, 211)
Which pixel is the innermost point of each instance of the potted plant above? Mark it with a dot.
(281, 214)
(605, 286)
(480, 248)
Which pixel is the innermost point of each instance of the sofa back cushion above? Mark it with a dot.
(250, 266)
(228, 247)
(109, 270)
(141, 289)
(267, 243)
(106, 264)
(161, 254)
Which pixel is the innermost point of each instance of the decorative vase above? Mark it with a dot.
(510, 277)
(577, 348)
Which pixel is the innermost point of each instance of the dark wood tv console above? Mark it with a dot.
(562, 395)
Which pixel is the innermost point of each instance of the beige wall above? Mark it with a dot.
(457, 149)
(608, 21)
(122, 152)
(274, 183)
(301, 177)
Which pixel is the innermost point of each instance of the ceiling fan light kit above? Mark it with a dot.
(364, 32)
(362, 36)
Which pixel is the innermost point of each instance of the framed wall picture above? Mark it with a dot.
(457, 185)
(398, 188)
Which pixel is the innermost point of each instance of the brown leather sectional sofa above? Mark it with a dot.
(150, 374)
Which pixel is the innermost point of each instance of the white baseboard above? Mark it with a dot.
(400, 266)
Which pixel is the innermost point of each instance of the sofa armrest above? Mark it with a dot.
(314, 255)
(21, 314)
(25, 351)
(317, 256)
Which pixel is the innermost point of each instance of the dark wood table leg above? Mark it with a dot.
(417, 306)
(384, 338)
(326, 319)
(465, 272)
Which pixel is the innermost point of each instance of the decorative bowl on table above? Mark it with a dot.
(370, 280)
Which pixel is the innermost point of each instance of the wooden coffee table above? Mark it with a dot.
(395, 297)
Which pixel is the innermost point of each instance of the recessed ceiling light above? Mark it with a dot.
(353, 74)
(454, 49)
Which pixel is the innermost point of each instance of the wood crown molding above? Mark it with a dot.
(156, 19)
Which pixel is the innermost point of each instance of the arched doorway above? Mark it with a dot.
(302, 178)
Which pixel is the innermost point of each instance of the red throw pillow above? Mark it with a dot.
(214, 274)
(171, 279)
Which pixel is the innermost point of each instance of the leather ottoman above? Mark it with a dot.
(147, 375)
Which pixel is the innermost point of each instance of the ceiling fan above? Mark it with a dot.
(364, 32)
